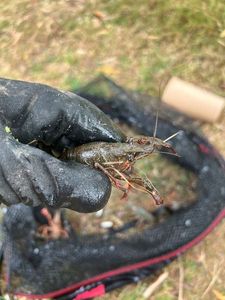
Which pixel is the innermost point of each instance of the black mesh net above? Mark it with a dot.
(67, 267)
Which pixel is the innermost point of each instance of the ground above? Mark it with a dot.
(140, 44)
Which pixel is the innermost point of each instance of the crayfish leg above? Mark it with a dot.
(148, 187)
(106, 172)
(116, 182)
(152, 190)
(126, 188)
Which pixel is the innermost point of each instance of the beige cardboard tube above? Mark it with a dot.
(192, 100)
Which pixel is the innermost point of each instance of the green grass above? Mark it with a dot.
(72, 83)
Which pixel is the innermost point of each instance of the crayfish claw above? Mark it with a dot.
(163, 147)
(157, 198)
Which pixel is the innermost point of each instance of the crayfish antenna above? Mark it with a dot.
(155, 130)
(169, 153)
(172, 136)
(156, 125)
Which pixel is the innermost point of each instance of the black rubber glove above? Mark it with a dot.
(57, 119)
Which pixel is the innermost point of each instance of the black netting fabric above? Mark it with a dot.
(34, 266)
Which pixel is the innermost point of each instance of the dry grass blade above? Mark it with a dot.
(213, 281)
(150, 290)
(181, 281)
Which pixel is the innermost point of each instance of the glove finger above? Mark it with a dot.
(39, 112)
(88, 123)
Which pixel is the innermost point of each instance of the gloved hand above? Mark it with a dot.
(57, 119)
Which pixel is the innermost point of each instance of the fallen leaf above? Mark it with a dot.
(99, 15)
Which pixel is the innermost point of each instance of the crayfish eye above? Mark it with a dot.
(130, 157)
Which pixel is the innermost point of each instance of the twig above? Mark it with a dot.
(181, 281)
(32, 142)
(212, 282)
(150, 290)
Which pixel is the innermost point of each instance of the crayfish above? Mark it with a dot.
(116, 160)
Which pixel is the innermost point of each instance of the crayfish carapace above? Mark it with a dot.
(116, 160)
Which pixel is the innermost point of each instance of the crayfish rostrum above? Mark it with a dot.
(116, 160)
